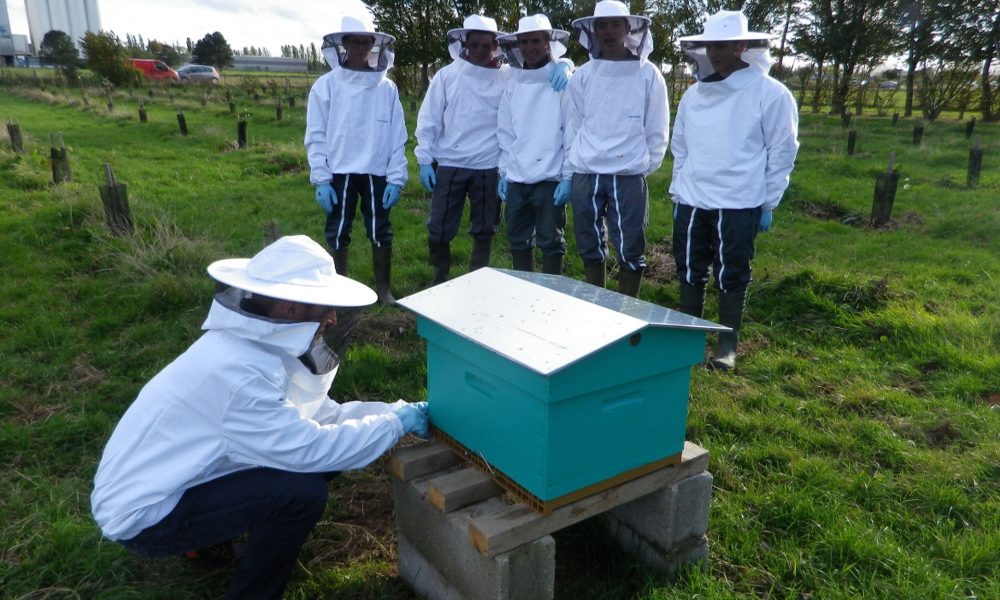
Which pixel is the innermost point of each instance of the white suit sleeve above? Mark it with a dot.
(505, 132)
(657, 122)
(430, 120)
(396, 172)
(781, 130)
(572, 115)
(261, 428)
(678, 145)
(317, 115)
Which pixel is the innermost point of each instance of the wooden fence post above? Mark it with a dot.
(271, 232)
(975, 164)
(182, 122)
(114, 196)
(277, 108)
(895, 118)
(16, 141)
(241, 131)
(970, 127)
(60, 160)
(142, 111)
(918, 133)
(885, 193)
(852, 139)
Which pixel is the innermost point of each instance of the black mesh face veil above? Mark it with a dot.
(379, 59)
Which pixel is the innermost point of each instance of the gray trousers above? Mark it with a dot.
(614, 207)
(448, 202)
(533, 219)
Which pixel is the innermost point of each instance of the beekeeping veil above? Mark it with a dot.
(509, 46)
(381, 56)
(456, 37)
(727, 26)
(639, 40)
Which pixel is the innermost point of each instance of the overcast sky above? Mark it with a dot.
(261, 23)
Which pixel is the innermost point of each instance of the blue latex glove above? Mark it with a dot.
(502, 188)
(766, 218)
(326, 197)
(560, 76)
(391, 195)
(414, 419)
(428, 177)
(561, 195)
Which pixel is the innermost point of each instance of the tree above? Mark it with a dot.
(213, 49)
(107, 57)
(57, 48)
(164, 52)
(419, 27)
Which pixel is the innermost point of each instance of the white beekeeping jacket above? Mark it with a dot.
(530, 127)
(457, 122)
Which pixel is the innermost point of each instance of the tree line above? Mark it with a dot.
(949, 48)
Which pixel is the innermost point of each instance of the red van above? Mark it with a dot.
(154, 69)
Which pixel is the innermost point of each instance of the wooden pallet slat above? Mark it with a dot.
(461, 488)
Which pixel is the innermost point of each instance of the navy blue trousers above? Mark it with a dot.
(356, 191)
(277, 508)
(722, 239)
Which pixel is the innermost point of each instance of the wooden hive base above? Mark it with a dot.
(545, 507)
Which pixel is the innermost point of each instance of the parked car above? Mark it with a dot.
(202, 73)
(154, 69)
(887, 85)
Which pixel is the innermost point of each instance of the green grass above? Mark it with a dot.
(856, 450)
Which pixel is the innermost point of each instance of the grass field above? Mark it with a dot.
(856, 449)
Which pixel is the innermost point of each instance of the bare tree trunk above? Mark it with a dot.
(911, 70)
(986, 102)
(784, 36)
(819, 86)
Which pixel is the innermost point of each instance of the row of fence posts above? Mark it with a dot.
(886, 183)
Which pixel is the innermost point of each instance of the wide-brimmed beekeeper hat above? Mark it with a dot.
(381, 56)
(638, 40)
(293, 268)
(457, 36)
(531, 24)
(726, 26)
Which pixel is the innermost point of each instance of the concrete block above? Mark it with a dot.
(671, 515)
(438, 561)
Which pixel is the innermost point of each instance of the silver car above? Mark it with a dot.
(199, 73)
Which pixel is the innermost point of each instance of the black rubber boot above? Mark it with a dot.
(629, 282)
(553, 265)
(440, 255)
(596, 274)
(382, 265)
(481, 250)
(692, 299)
(523, 260)
(340, 260)
(731, 306)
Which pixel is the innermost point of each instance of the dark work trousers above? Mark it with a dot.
(720, 238)
(622, 203)
(533, 219)
(353, 191)
(277, 508)
(448, 201)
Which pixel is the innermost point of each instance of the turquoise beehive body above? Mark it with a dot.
(557, 384)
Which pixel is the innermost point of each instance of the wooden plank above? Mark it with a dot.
(461, 488)
(420, 459)
(518, 524)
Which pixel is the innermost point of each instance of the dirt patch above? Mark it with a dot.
(660, 266)
(943, 435)
(385, 328)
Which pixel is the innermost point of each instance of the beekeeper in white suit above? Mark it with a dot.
(734, 146)
(457, 130)
(355, 140)
(616, 135)
(530, 132)
(237, 435)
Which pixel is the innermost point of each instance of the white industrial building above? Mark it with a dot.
(73, 17)
(12, 47)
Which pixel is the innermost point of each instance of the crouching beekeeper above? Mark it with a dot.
(238, 435)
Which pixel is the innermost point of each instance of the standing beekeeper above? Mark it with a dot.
(734, 146)
(238, 435)
(616, 135)
(457, 130)
(530, 133)
(355, 140)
